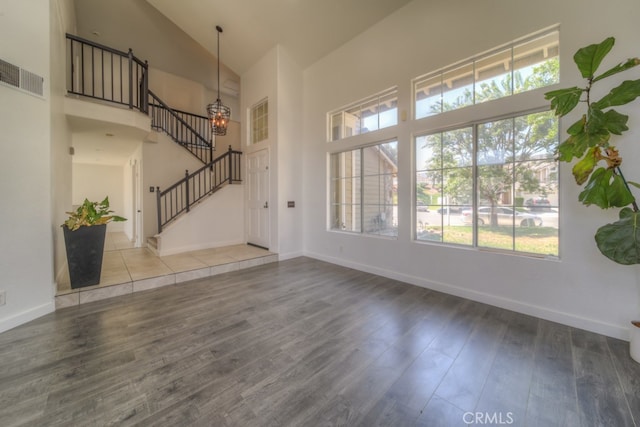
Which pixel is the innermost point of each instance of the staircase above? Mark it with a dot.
(106, 74)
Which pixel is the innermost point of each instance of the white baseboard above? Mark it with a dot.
(26, 316)
(599, 327)
(290, 255)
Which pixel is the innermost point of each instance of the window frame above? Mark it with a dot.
(264, 118)
(475, 199)
(470, 63)
(348, 113)
(361, 175)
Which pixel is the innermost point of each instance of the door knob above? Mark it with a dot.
(266, 205)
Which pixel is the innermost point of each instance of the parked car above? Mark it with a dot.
(506, 216)
(421, 207)
(539, 203)
(450, 210)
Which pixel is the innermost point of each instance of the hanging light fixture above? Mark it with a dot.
(218, 113)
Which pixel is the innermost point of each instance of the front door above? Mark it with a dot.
(258, 203)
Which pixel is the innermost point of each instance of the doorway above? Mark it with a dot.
(258, 198)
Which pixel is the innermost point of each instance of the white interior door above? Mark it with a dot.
(258, 203)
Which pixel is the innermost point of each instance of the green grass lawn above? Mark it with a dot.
(537, 240)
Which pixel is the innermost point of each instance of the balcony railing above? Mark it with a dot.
(107, 74)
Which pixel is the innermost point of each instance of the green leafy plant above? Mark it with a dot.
(91, 213)
(598, 161)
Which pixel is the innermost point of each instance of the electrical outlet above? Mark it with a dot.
(3, 297)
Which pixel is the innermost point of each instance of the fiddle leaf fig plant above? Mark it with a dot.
(598, 162)
(91, 213)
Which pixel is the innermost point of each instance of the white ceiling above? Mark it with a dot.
(103, 143)
(179, 37)
(308, 29)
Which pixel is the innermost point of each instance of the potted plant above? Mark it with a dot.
(84, 234)
(598, 160)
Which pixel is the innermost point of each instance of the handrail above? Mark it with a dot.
(107, 74)
(201, 124)
(165, 118)
(181, 196)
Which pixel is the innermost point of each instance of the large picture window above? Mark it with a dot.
(493, 184)
(364, 190)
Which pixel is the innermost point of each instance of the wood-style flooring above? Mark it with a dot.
(306, 343)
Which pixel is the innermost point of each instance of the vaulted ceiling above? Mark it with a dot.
(308, 29)
(179, 37)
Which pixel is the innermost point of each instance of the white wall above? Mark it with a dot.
(62, 21)
(164, 163)
(583, 288)
(289, 149)
(26, 246)
(95, 182)
(277, 77)
(187, 95)
(216, 221)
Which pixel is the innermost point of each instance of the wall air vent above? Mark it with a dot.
(19, 78)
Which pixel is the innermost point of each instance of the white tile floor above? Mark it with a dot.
(126, 269)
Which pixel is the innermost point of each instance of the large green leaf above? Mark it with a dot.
(629, 63)
(589, 58)
(606, 189)
(564, 100)
(620, 241)
(615, 122)
(576, 145)
(582, 169)
(578, 126)
(619, 95)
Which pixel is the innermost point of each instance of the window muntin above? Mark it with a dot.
(259, 119)
(520, 67)
(370, 114)
(444, 184)
(364, 190)
(493, 185)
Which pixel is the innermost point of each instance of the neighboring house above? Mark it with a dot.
(580, 287)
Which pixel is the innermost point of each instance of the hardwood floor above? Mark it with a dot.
(306, 343)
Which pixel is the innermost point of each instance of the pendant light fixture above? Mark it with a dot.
(218, 113)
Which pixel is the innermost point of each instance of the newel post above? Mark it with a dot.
(186, 187)
(230, 165)
(130, 79)
(159, 203)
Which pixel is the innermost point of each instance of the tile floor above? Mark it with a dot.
(126, 269)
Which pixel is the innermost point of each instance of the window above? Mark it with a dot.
(493, 184)
(373, 113)
(259, 121)
(519, 67)
(364, 190)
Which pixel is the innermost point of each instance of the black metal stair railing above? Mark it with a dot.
(184, 128)
(103, 73)
(181, 196)
(107, 74)
(100, 72)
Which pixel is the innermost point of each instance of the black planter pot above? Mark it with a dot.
(85, 247)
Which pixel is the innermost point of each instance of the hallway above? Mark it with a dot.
(126, 269)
